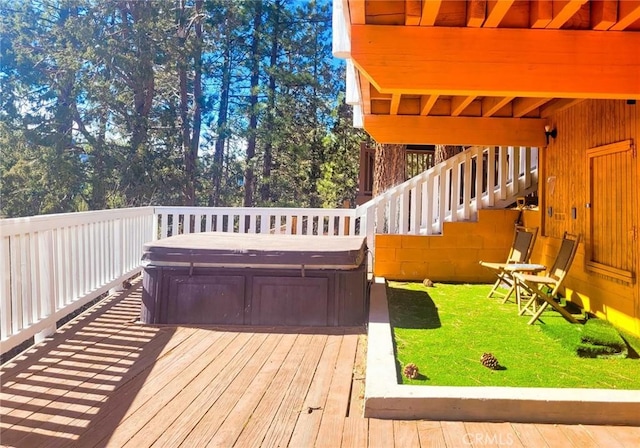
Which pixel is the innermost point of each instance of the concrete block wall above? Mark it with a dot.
(453, 256)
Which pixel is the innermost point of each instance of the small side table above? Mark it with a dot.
(525, 268)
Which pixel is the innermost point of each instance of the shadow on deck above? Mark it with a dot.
(104, 380)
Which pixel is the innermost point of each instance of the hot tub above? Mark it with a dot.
(255, 279)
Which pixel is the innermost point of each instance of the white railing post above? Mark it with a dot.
(466, 187)
(491, 177)
(515, 171)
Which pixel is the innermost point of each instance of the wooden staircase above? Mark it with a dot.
(454, 190)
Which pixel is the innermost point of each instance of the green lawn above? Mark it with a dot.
(444, 330)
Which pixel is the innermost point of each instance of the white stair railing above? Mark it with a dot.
(454, 190)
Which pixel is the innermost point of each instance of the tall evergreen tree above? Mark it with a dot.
(117, 103)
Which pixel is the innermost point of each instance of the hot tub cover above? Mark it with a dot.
(253, 250)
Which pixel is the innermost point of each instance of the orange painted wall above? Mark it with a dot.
(590, 124)
(452, 256)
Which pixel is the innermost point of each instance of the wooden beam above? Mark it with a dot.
(499, 62)
(496, 10)
(522, 106)
(563, 11)
(395, 103)
(558, 106)
(357, 12)
(412, 130)
(491, 105)
(426, 103)
(412, 12)
(430, 9)
(604, 14)
(459, 104)
(541, 13)
(476, 12)
(365, 94)
(628, 13)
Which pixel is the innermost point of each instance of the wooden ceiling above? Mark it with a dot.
(487, 72)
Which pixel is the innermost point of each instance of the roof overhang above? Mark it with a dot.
(482, 72)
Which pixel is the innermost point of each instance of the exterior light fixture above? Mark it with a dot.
(548, 132)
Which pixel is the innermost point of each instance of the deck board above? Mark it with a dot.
(199, 394)
(529, 435)
(578, 436)
(104, 380)
(355, 432)
(381, 433)
(233, 382)
(268, 387)
(405, 433)
(274, 430)
(430, 434)
(306, 428)
(337, 404)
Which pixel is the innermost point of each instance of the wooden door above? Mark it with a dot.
(612, 239)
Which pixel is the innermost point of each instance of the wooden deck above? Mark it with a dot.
(105, 380)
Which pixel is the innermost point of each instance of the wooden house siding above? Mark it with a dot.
(590, 186)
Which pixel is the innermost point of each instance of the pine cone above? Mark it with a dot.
(411, 371)
(490, 361)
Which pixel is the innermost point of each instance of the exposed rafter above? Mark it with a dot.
(558, 105)
(522, 106)
(412, 12)
(430, 9)
(459, 104)
(540, 14)
(604, 14)
(426, 103)
(365, 94)
(565, 11)
(395, 103)
(628, 13)
(356, 11)
(492, 105)
(499, 62)
(455, 130)
(476, 12)
(496, 10)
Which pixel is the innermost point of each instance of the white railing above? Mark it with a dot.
(454, 190)
(289, 221)
(51, 265)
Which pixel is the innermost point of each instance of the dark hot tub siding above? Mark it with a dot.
(250, 296)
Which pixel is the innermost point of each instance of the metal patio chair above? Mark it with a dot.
(544, 288)
(520, 252)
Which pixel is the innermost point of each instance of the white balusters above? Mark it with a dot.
(453, 190)
(51, 265)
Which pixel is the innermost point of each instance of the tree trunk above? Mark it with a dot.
(222, 123)
(190, 120)
(388, 168)
(249, 175)
(265, 190)
(197, 97)
(444, 152)
(316, 143)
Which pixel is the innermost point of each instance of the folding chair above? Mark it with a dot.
(544, 288)
(520, 252)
